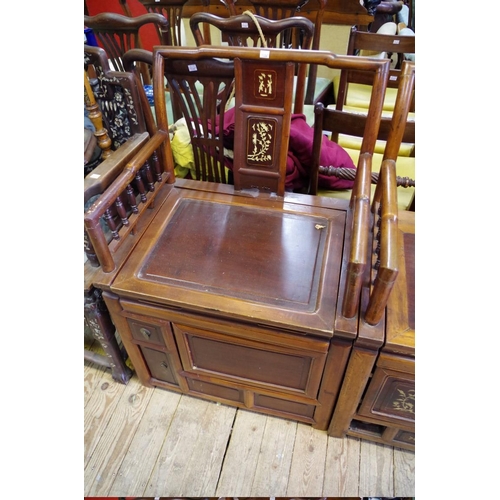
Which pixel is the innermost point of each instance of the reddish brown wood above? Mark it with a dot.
(171, 10)
(118, 34)
(228, 294)
(245, 31)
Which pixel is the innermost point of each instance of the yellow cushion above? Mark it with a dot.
(358, 95)
(405, 167)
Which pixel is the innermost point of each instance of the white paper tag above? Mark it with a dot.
(244, 25)
(395, 42)
(94, 176)
(192, 67)
(393, 78)
(264, 54)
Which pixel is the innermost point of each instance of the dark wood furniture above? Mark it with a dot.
(377, 397)
(95, 311)
(119, 98)
(231, 292)
(285, 9)
(171, 10)
(127, 116)
(117, 34)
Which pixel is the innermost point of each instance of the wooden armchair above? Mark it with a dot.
(118, 33)
(214, 331)
(348, 129)
(257, 31)
(379, 405)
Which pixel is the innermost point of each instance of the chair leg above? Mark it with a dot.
(103, 330)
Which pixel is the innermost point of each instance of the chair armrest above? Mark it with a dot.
(120, 190)
(104, 174)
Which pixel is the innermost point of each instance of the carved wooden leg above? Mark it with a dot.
(103, 330)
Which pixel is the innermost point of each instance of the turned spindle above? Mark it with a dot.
(103, 139)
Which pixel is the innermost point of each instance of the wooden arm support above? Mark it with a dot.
(95, 232)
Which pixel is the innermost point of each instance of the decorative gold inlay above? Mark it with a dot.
(261, 139)
(406, 401)
(265, 84)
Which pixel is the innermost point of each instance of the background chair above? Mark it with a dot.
(351, 88)
(120, 98)
(252, 30)
(117, 34)
(347, 129)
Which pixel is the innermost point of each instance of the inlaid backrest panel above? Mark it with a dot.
(261, 98)
(262, 124)
(118, 95)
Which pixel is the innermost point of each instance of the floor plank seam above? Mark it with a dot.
(225, 452)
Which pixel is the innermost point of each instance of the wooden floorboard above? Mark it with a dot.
(151, 442)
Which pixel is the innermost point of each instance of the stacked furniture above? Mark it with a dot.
(377, 398)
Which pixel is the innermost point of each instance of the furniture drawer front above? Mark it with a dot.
(253, 401)
(390, 397)
(146, 332)
(250, 363)
(160, 365)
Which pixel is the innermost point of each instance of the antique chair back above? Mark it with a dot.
(346, 128)
(264, 90)
(352, 88)
(251, 30)
(277, 9)
(120, 97)
(283, 9)
(171, 10)
(202, 92)
(118, 33)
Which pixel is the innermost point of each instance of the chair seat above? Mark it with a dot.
(405, 167)
(358, 95)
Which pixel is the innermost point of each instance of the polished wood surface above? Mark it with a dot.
(231, 293)
(377, 399)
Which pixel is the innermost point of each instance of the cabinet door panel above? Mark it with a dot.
(250, 363)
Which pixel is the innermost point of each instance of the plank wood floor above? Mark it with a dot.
(149, 442)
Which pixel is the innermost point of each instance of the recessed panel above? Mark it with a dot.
(260, 255)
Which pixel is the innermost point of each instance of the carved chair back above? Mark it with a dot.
(202, 91)
(172, 10)
(263, 92)
(117, 34)
(257, 31)
(120, 97)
